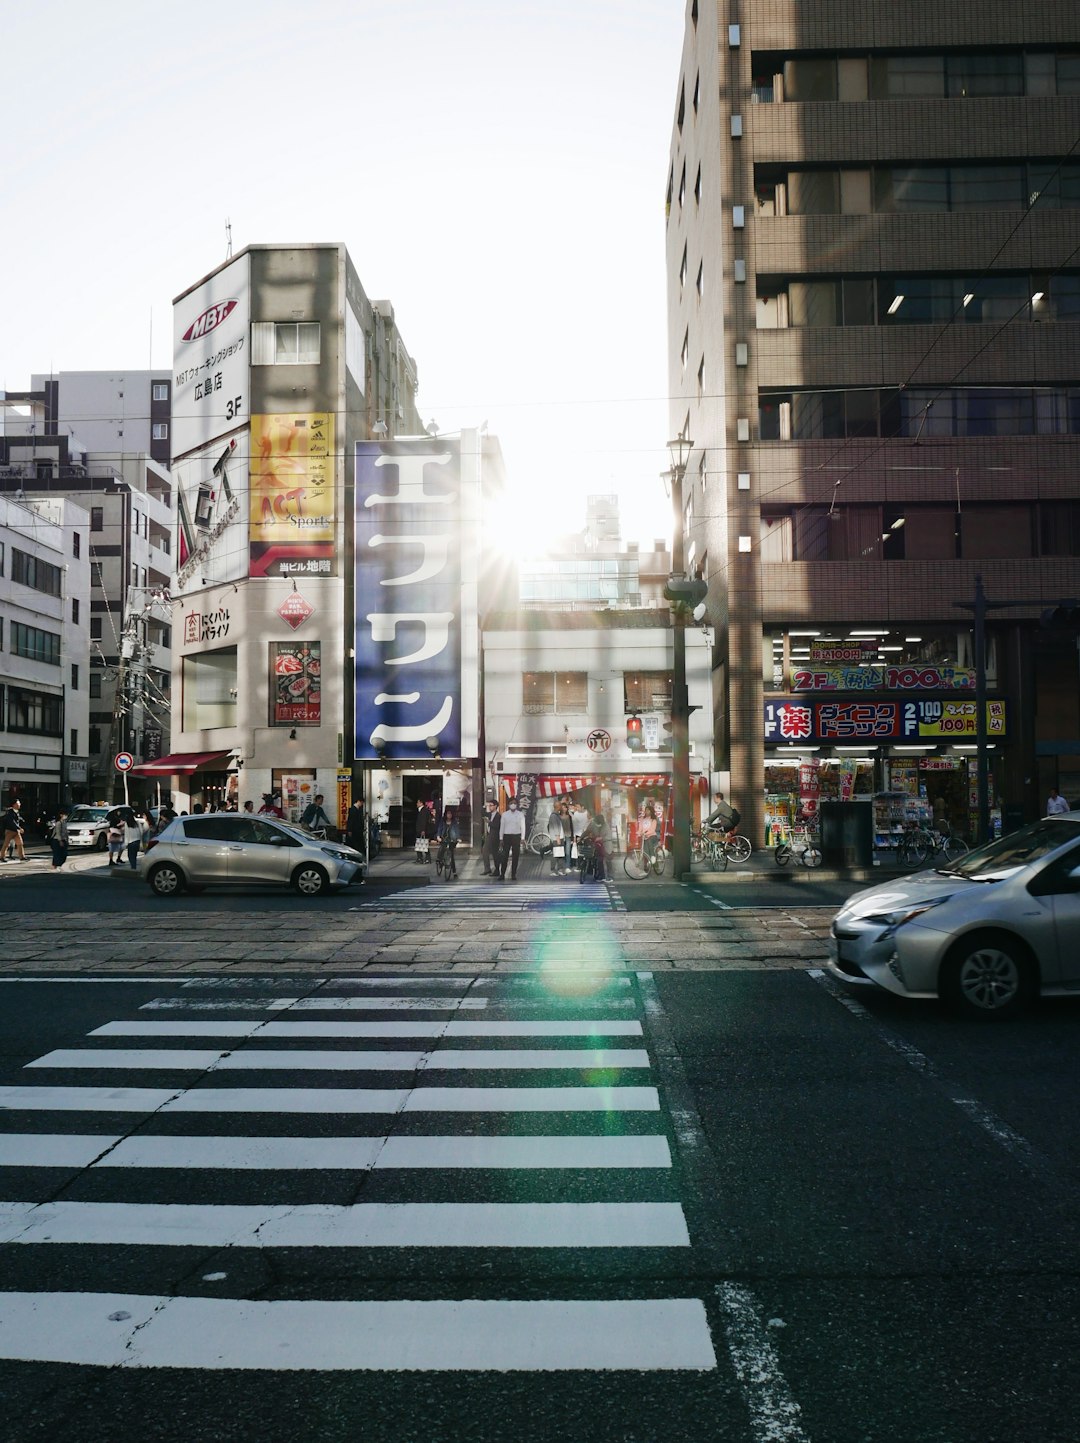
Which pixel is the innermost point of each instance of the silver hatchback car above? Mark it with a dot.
(985, 934)
(226, 849)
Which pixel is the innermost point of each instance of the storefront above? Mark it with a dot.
(621, 798)
(879, 720)
(189, 779)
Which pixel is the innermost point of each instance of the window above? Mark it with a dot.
(1, 558)
(160, 391)
(73, 741)
(1059, 528)
(33, 712)
(699, 284)
(95, 574)
(683, 268)
(74, 677)
(160, 431)
(97, 518)
(988, 531)
(894, 77)
(647, 691)
(701, 379)
(285, 343)
(31, 571)
(697, 187)
(551, 693)
(76, 544)
(95, 686)
(976, 75)
(35, 644)
(75, 609)
(95, 628)
(209, 682)
(95, 740)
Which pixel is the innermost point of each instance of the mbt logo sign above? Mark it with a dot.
(209, 320)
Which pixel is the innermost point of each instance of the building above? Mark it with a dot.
(592, 568)
(298, 503)
(874, 319)
(128, 496)
(44, 653)
(560, 689)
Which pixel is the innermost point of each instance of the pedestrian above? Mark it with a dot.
(133, 836)
(555, 840)
(314, 817)
(115, 836)
(649, 831)
(1055, 804)
(271, 806)
(424, 830)
(248, 808)
(13, 831)
(356, 826)
(448, 836)
(489, 849)
(58, 839)
(511, 836)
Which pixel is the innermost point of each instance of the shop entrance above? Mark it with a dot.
(419, 787)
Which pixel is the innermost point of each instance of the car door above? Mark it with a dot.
(203, 849)
(260, 853)
(1058, 884)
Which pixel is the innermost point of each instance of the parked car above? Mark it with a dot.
(984, 934)
(87, 827)
(229, 849)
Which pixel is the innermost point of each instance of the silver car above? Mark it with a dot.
(87, 827)
(224, 849)
(985, 934)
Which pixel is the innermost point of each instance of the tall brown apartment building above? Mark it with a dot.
(873, 262)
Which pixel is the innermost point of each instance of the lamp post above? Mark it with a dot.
(684, 594)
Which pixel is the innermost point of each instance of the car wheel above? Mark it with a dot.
(166, 880)
(310, 880)
(987, 976)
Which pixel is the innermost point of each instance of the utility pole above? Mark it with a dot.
(684, 594)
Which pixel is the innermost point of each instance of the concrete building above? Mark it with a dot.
(283, 366)
(592, 568)
(110, 413)
(128, 497)
(874, 321)
(44, 653)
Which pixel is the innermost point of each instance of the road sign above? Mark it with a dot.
(123, 761)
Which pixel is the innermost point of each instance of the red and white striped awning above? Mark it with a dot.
(559, 786)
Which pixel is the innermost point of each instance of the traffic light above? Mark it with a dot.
(633, 733)
(688, 591)
(1064, 616)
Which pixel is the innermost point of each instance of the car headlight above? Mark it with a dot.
(892, 920)
(338, 854)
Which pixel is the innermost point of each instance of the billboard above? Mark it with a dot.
(211, 513)
(292, 494)
(211, 328)
(295, 683)
(416, 623)
(878, 720)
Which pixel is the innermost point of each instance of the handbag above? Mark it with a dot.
(423, 847)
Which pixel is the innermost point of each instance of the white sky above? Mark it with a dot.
(497, 169)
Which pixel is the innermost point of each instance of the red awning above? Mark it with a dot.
(559, 786)
(180, 764)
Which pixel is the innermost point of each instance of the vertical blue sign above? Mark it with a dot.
(408, 621)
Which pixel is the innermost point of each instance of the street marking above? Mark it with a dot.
(775, 1416)
(131, 1331)
(328, 1100)
(319, 1004)
(304, 1154)
(712, 901)
(179, 1059)
(226, 1028)
(365, 1225)
(995, 1127)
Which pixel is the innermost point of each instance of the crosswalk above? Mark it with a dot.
(565, 895)
(462, 1131)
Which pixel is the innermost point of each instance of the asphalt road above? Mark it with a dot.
(866, 1233)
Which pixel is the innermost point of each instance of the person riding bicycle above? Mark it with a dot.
(314, 817)
(723, 818)
(449, 836)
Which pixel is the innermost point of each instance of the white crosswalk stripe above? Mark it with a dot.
(566, 895)
(599, 1173)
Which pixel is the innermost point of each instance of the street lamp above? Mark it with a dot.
(685, 594)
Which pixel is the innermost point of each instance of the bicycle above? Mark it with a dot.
(590, 861)
(639, 863)
(723, 847)
(539, 843)
(444, 860)
(708, 847)
(921, 844)
(801, 843)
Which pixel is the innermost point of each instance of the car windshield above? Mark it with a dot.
(87, 814)
(1018, 849)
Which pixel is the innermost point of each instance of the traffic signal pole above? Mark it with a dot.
(680, 700)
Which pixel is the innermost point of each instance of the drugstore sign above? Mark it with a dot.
(883, 678)
(879, 720)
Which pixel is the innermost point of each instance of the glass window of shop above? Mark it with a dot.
(788, 651)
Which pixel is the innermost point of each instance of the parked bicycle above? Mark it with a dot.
(801, 844)
(539, 843)
(922, 844)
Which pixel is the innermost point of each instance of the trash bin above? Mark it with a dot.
(847, 834)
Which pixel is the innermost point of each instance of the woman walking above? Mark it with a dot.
(58, 840)
(133, 836)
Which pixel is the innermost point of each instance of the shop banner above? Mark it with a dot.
(344, 796)
(210, 358)
(295, 683)
(416, 623)
(876, 720)
(845, 653)
(291, 526)
(809, 789)
(883, 678)
(211, 512)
